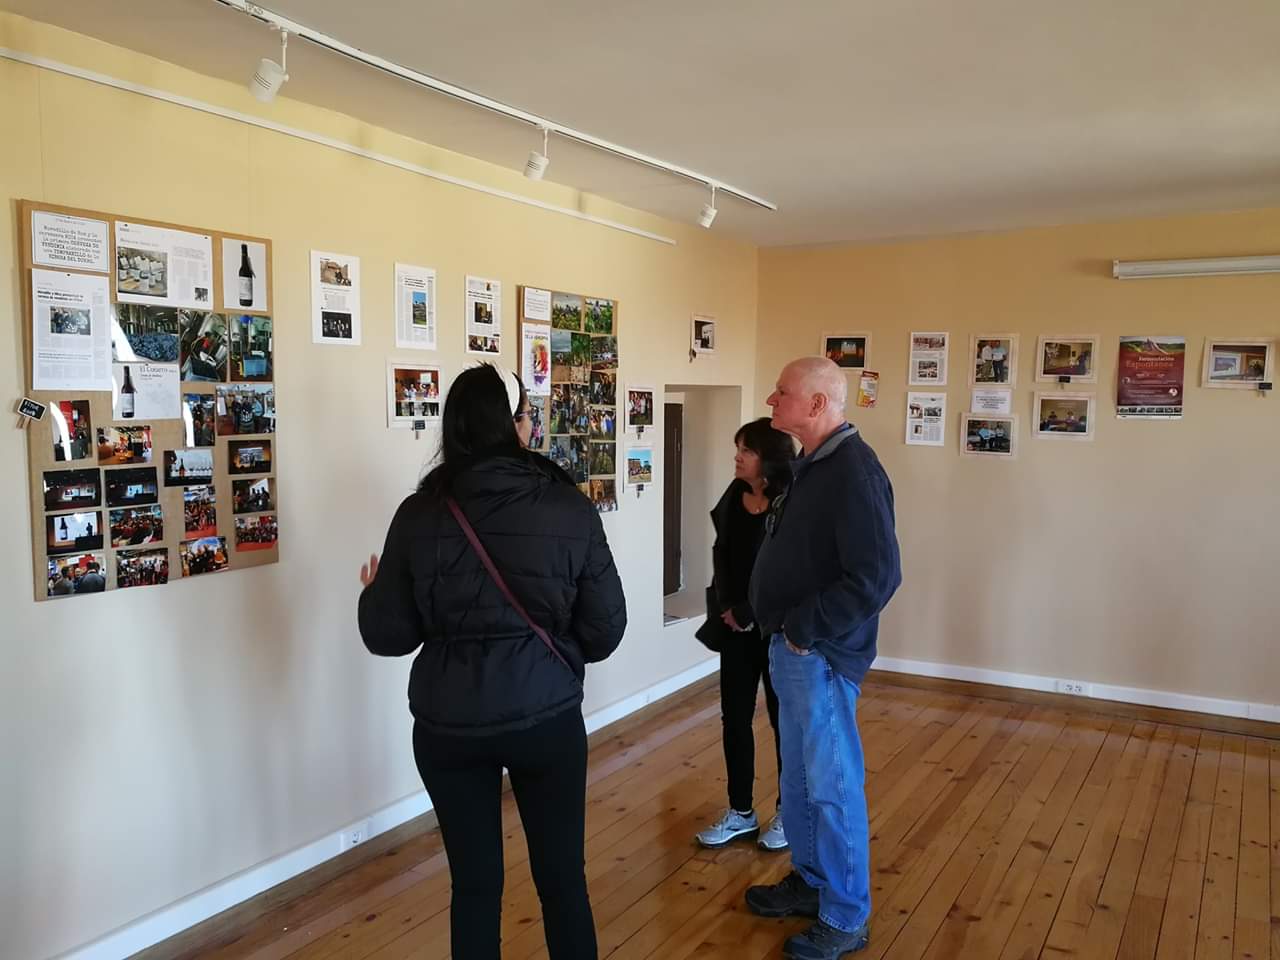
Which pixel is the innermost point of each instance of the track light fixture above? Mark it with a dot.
(270, 76)
(274, 76)
(708, 214)
(537, 164)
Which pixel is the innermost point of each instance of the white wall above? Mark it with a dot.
(157, 741)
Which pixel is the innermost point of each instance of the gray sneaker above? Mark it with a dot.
(774, 838)
(728, 828)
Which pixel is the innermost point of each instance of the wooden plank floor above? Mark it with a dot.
(999, 830)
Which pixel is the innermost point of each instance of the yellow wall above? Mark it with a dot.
(1144, 559)
(161, 740)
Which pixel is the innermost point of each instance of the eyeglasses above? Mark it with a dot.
(775, 513)
(520, 416)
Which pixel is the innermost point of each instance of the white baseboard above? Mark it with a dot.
(198, 907)
(1099, 691)
(623, 708)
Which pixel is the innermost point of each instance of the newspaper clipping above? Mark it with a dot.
(335, 299)
(928, 359)
(484, 316)
(415, 307)
(926, 419)
(71, 331)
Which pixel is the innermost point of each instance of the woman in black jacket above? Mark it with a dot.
(487, 692)
(762, 471)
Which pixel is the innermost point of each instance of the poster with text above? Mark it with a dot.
(537, 305)
(1149, 378)
(991, 401)
(484, 316)
(415, 307)
(71, 331)
(76, 243)
(335, 299)
(926, 419)
(163, 267)
(535, 358)
(928, 363)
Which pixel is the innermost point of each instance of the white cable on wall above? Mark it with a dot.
(128, 86)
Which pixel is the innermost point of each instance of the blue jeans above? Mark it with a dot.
(824, 803)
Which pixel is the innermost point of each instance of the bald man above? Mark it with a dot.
(828, 566)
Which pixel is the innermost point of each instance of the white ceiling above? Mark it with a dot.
(861, 119)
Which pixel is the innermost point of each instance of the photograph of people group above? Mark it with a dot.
(246, 408)
(206, 555)
(75, 574)
(141, 568)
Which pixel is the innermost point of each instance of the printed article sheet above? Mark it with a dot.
(335, 299)
(926, 419)
(415, 307)
(71, 331)
(484, 316)
(163, 267)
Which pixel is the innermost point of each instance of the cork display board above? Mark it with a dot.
(151, 346)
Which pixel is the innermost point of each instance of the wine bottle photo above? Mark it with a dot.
(246, 277)
(127, 396)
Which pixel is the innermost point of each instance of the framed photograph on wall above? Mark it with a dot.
(638, 407)
(1064, 416)
(1240, 363)
(413, 393)
(847, 350)
(993, 359)
(1068, 356)
(704, 334)
(988, 435)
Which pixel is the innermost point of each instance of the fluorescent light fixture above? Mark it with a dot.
(708, 214)
(1209, 267)
(536, 166)
(255, 10)
(270, 76)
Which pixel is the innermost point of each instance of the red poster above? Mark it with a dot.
(1149, 378)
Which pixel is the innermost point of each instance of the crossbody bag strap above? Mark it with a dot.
(502, 584)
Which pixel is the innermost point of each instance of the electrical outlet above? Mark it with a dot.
(1077, 688)
(354, 835)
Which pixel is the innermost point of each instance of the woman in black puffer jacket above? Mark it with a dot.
(486, 691)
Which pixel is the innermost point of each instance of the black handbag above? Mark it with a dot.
(714, 633)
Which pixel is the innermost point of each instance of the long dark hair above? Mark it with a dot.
(775, 450)
(477, 424)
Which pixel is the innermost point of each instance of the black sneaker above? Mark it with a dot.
(790, 897)
(824, 942)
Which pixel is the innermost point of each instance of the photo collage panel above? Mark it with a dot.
(580, 418)
(142, 482)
